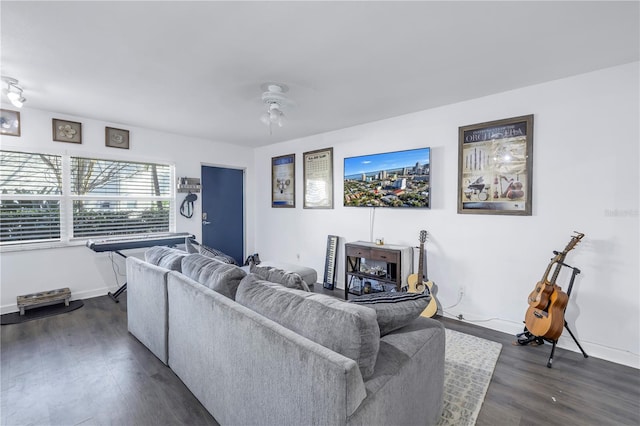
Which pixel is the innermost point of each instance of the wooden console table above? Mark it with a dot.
(371, 268)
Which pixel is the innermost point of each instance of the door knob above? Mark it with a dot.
(206, 222)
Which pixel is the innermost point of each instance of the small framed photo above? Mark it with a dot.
(116, 138)
(283, 187)
(67, 131)
(9, 122)
(495, 164)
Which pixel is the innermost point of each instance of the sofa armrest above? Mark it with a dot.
(147, 305)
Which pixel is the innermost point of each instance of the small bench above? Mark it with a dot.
(44, 298)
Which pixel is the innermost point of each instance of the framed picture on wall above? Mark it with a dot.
(495, 162)
(283, 187)
(116, 138)
(66, 131)
(318, 179)
(9, 122)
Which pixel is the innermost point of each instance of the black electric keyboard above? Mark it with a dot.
(125, 242)
(138, 241)
(330, 262)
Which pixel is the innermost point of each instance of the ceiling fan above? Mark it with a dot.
(274, 97)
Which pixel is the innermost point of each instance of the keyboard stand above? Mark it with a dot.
(123, 287)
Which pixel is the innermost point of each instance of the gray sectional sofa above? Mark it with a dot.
(256, 352)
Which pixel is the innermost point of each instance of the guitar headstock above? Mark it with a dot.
(423, 236)
(575, 239)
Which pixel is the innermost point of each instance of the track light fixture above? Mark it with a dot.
(275, 99)
(14, 91)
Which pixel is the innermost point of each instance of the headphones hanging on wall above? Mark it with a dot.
(186, 208)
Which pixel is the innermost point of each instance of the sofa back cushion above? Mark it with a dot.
(193, 247)
(214, 274)
(394, 310)
(275, 275)
(346, 328)
(165, 257)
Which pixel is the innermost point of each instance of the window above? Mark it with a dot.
(103, 197)
(31, 187)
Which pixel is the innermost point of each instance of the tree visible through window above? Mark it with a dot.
(104, 197)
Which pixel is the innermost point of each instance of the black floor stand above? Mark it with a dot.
(531, 338)
(123, 287)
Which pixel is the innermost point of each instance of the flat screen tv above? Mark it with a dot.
(390, 179)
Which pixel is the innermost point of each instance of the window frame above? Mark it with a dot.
(66, 199)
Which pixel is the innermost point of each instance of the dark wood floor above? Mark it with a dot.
(84, 368)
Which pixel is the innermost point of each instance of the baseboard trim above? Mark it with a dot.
(566, 342)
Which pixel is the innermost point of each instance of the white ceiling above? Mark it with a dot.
(195, 68)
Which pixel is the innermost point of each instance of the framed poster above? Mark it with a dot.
(283, 188)
(66, 131)
(318, 179)
(495, 162)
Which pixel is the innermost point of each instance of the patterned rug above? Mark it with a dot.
(468, 367)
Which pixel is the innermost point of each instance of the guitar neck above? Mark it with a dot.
(421, 263)
(556, 271)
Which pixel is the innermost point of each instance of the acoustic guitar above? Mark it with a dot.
(546, 319)
(548, 323)
(417, 284)
(539, 297)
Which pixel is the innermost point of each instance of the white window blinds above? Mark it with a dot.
(119, 197)
(94, 197)
(31, 189)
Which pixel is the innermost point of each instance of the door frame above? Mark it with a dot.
(244, 200)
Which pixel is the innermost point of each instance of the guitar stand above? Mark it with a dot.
(526, 337)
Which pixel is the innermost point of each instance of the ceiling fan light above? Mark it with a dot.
(265, 119)
(273, 96)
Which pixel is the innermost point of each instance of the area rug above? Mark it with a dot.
(468, 367)
(42, 312)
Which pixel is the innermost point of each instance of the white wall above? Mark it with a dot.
(585, 178)
(90, 274)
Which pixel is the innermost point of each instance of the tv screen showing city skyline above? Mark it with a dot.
(389, 179)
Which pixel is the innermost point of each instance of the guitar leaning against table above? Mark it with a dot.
(418, 285)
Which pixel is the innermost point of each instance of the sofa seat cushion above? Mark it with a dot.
(394, 310)
(214, 274)
(275, 275)
(165, 257)
(345, 328)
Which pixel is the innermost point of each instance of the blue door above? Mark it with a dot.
(223, 210)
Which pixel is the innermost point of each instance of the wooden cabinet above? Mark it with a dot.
(371, 268)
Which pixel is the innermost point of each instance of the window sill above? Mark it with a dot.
(41, 246)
